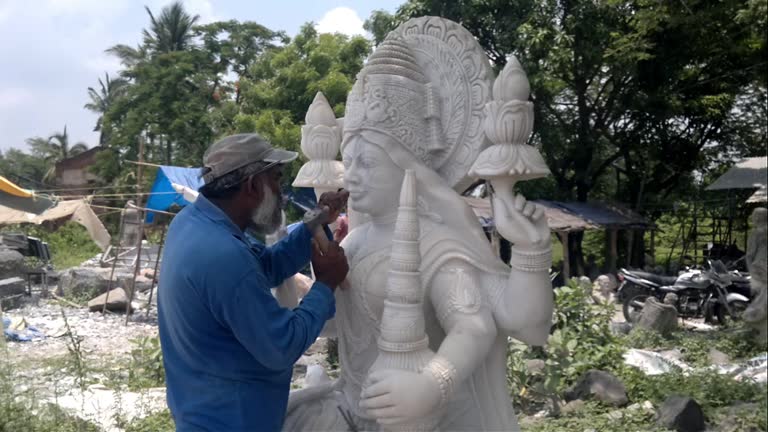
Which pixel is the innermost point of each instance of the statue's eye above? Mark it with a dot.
(367, 163)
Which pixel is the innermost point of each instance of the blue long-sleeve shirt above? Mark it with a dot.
(228, 346)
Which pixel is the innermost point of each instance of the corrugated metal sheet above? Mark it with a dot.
(760, 196)
(747, 174)
(571, 216)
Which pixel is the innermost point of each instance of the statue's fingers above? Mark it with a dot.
(519, 202)
(538, 214)
(391, 420)
(377, 386)
(529, 209)
(377, 402)
(499, 208)
(383, 413)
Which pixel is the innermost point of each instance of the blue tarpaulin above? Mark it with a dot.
(163, 195)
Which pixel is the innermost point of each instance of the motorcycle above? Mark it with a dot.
(634, 282)
(699, 294)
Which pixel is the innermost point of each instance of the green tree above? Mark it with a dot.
(642, 87)
(171, 31)
(55, 149)
(24, 169)
(102, 100)
(282, 82)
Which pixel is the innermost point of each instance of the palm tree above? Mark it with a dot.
(55, 149)
(102, 101)
(171, 31)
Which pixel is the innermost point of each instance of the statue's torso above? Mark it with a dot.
(360, 308)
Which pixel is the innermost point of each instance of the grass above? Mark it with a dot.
(70, 244)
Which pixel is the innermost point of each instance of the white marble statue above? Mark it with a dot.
(419, 107)
(756, 315)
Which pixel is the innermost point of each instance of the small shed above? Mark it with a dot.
(748, 174)
(567, 217)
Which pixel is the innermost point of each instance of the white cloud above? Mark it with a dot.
(14, 97)
(341, 20)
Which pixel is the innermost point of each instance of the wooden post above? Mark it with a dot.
(114, 264)
(143, 215)
(157, 263)
(653, 245)
(566, 255)
(614, 252)
(630, 244)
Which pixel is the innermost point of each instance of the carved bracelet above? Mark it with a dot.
(445, 375)
(530, 261)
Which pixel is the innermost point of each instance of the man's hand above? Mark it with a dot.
(331, 267)
(335, 201)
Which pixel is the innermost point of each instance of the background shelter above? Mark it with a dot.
(75, 210)
(565, 218)
(163, 196)
(17, 198)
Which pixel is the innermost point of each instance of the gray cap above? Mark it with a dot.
(236, 151)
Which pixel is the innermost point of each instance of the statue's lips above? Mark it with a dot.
(355, 195)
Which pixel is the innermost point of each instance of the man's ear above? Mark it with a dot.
(254, 188)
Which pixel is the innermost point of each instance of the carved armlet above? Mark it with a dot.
(444, 373)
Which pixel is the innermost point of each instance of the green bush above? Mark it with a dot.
(70, 244)
(710, 389)
(695, 346)
(158, 422)
(599, 419)
(146, 368)
(581, 340)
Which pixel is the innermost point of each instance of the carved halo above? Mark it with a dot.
(455, 65)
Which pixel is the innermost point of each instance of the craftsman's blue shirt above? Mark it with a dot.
(228, 346)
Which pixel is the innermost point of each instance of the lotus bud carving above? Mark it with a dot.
(512, 83)
(320, 112)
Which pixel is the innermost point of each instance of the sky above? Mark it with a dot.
(53, 50)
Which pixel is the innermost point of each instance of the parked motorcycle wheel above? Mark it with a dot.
(737, 310)
(633, 307)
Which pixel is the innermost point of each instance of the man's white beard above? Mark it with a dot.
(267, 218)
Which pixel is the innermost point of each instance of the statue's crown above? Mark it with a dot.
(392, 96)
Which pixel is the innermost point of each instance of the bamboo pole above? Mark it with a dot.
(141, 231)
(157, 263)
(114, 264)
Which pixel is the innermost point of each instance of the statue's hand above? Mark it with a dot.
(521, 222)
(397, 396)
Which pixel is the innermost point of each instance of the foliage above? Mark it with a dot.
(70, 243)
(581, 340)
(20, 410)
(146, 369)
(631, 97)
(696, 346)
(710, 389)
(597, 418)
(101, 101)
(159, 422)
(54, 149)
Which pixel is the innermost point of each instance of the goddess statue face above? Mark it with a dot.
(371, 177)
